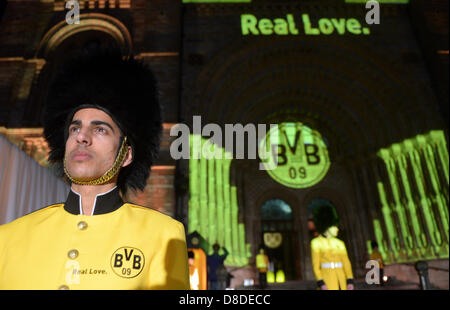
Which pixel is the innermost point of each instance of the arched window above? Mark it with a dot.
(276, 209)
(276, 215)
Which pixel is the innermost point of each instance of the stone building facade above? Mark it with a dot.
(365, 88)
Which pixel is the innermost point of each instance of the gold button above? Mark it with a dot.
(72, 254)
(82, 225)
(63, 287)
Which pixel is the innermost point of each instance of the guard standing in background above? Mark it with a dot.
(331, 265)
(262, 263)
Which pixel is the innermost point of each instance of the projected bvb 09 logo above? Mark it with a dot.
(127, 262)
(273, 240)
(299, 154)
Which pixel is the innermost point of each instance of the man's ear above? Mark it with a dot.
(129, 157)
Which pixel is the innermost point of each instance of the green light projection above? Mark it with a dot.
(248, 1)
(380, 1)
(294, 25)
(217, 1)
(414, 200)
(301, 154)
(213, 205)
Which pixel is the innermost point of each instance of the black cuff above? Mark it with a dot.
(320, 283)
(350, 281)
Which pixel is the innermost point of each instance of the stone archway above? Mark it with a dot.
(295, 232)
(279, 237)
(88, 22)
(351, 95)
(64, 40)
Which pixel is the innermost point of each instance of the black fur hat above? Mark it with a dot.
(120, 86)
(325, 216)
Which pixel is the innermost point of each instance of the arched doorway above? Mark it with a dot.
(277, 227)
(61, 43)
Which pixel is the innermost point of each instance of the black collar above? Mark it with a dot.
(104, 203)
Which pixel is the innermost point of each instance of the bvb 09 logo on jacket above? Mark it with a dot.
(127, 262)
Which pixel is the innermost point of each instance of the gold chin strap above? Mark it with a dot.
(108, 175)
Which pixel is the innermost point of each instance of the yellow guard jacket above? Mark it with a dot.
(330, 262)
(121, 246)
(262, 262)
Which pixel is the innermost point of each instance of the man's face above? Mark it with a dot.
(191, 262)
(92, 144)
(333, 231)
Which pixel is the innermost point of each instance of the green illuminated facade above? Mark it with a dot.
(217, 1)
(415, 201)
(213, 204)
(375, 94)
(321, 73)
(380, 1)
(248, 1)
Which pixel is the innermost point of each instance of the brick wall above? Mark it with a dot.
(159, 194)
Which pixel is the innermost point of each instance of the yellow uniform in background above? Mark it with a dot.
(262, 262)
(330, 262)
(132, 247)
(376, 255)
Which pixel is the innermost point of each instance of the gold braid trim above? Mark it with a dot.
(108, 175)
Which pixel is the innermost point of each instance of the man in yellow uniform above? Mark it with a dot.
(262, 263)
(331, 265)
(103, 123)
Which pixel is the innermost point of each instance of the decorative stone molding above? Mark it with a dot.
(88, 22)
(59, 5)
(29, 140)
(159, 194)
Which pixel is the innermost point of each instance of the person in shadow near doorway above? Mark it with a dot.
(214, 261)
(376, 255)
(331, 265)
(262, 263)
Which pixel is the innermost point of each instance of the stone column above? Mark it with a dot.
(227, 208)
(425, 202)
(363, 217)
(194, 186)
(203, 177)
(26, 76)
(212, 210)
(220, 201)
(391, 248)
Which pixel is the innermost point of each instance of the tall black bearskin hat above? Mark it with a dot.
(122, 87)
(325, 216)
